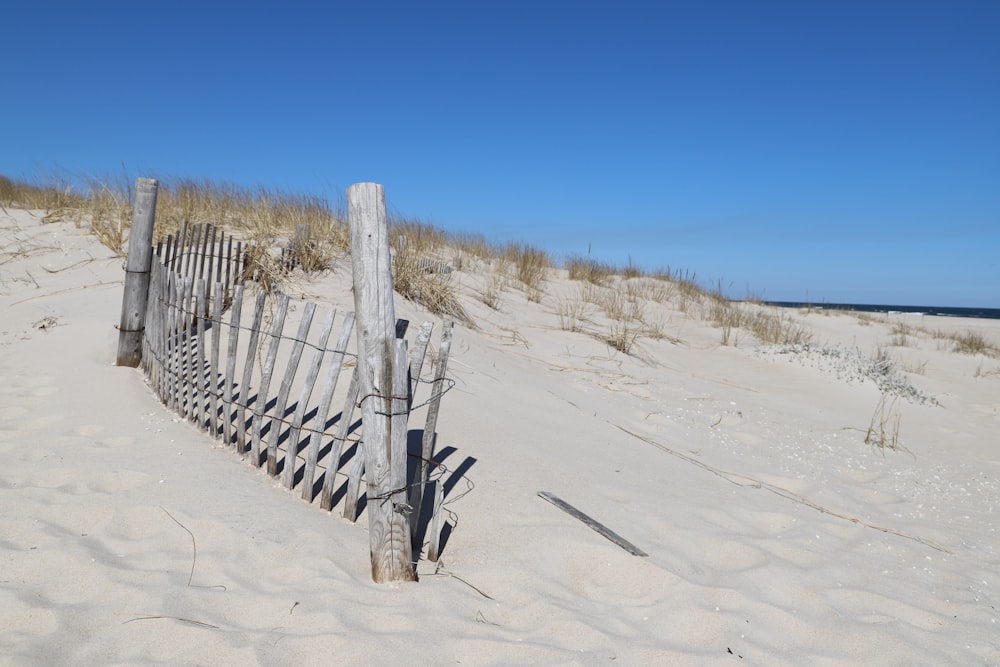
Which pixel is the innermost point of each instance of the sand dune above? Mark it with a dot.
(775, 535)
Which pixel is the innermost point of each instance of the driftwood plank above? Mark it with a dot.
(244, 402)
(227, 387)
(278, 416)
(260, 405)
(323, 410)
(400, 409)
(592, 523)
(292, 447)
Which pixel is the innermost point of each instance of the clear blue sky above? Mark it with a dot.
(840, 151)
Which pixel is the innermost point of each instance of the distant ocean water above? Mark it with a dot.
(943, 311)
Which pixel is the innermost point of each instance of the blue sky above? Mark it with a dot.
(838, 151)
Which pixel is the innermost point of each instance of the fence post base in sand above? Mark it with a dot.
(388, 518)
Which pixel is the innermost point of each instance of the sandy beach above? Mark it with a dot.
(775, 535)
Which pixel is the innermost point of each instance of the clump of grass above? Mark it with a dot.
(972, 342)
(572, 313)
(493, 289)
(883, 430)
(587, 269)
(529, 265)
(623, 336)
(425, 283)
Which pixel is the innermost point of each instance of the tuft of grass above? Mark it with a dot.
(589, 270)
(530, 266)
(883, 429)
(493, 289)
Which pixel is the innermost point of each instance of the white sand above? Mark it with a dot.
(742, 450)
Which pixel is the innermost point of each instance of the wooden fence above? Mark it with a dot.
(221, 353)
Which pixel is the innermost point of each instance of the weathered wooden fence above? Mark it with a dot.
(219, 352)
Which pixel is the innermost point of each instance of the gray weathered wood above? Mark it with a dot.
(323, 410)
(267, 370)
(140, 257)
(213, 371)
(198, 379)
(231, 349)
(592, 523)
(434, 534)
(339, 438)
(399, 412)
(430, 427)
(353, 493)
(292, 448)
(373, 300)
(417, 355)
(187, 309)
(278, 416)
(245, 386)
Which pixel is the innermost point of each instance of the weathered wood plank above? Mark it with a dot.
(198, 379)
(430, 427)
(353, 493)
(339, 438)
(592, 523)
(260, 405)
(292, 447)
(137, 265)
(278, 416)
(434, 534)
(373, 303)
(417, 356)
(245, 386)
(231, 353)
(213, 371)
(323, 410)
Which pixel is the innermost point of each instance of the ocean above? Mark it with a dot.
(942, 311)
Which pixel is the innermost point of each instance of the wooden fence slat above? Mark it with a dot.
(427, 443)
(199, 379)
(398, 464)
(210, 252)
(231, 349)
(322, 411)
(434, 535)
(260, 405)
(170, 343)
(213, 371)
(417, 357)
(177, 264)
(343, 428)
(278, 416)
(353, 494)
(187, 310)
(292, 447)
(244, 402)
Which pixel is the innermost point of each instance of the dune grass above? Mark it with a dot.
(429, 263)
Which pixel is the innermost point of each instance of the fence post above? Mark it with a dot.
(140, 256)
(376, 321)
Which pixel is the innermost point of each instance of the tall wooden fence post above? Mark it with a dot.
(140, 256)
(387, 510)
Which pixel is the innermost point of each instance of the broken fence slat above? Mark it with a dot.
(596, 525)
